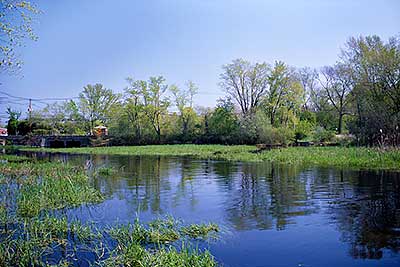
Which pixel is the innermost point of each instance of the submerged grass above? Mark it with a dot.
(349, 157)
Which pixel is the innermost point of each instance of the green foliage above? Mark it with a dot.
(322, 135)
(303, 129)
(223, 124)
(96, 104)
(264, 103)
(12, 125)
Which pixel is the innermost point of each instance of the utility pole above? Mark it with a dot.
(30, 108)
(30, 115)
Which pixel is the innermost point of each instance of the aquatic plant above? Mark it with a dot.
(106, 171)
(32, 235)
(199, 230)
(349, 157)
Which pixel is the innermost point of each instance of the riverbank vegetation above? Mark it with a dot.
(357, 99)
(34, 230)
(349, 157)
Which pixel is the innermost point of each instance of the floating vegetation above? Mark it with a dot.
(106, 171)
(349, 157)
(200, 230)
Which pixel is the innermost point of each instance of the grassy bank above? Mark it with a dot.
(32, 235)
(348, 157)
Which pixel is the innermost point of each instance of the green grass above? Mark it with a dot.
(36, 239)
(46, 185)
(346, 157)
(106, 171)
(29, 236)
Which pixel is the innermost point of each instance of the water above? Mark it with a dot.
(271, 215)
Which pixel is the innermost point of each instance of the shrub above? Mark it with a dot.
(323, 135)
(271, 135)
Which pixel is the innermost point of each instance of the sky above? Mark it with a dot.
(105, 41)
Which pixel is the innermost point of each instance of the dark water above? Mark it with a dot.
(271, 215)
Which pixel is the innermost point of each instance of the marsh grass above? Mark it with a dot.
(346, 157)
(106, 171)
(47, 185)
(200, 230)
(41, 238)
(31, 235)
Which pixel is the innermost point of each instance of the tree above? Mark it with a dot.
(337, 84)
(223, 123)
(285, 94)
(134, 105)
(95, 103)
(184, 102)
(155, 105)
(16, 19)
(12, 125)
(309, 80)
(376, 71)
(245, 83)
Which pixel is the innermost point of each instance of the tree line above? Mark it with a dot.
(356, 99)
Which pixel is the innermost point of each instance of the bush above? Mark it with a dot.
(344, 139)
(303, 130)
(323, 135)
(274, 136)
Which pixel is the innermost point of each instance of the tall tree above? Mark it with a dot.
(12, 125)
(376, 70)
(284, 91)
(309, 80)
(95, 103)
(134, 104)
(16, 19)
(338, 84)
(155, 104)
(184, 102)
(245, 83)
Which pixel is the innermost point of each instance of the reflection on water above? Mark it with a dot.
(275, 215)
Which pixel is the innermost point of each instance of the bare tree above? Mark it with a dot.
(337, 83)
(309, 80)
(245, 83)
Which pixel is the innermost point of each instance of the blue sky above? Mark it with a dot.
(90, 41)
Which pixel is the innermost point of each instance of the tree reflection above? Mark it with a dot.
(363, 206)
(368, 215)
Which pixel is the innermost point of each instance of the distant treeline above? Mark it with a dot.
(358, 97)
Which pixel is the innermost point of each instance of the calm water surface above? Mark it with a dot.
(271, 215)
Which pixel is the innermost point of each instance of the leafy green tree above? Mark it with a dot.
(134, 106)
(376, 71)
(95, 104)
(223, 124)
(155, 103)
(16, 19)
(285, 95)
(12, 125)
(184, 102)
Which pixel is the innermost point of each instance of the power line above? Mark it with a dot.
(38, 99)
